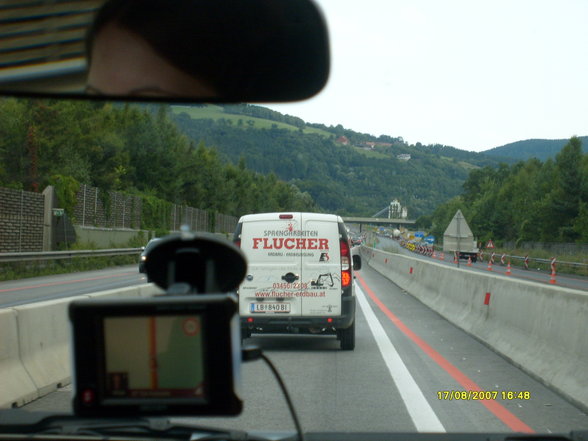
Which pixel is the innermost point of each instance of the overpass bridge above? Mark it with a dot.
(379, 221)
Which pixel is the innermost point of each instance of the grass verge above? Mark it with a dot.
(23, 270)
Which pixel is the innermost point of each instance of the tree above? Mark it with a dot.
(580, 224)
(564, 200)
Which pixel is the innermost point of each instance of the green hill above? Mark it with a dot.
(241, 120)
(541, 149)
(358, 177)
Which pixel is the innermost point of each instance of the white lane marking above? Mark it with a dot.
(422, 414)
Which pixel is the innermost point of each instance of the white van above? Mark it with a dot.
(299, 277)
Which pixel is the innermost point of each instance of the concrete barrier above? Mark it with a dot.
(133, 291)
(16, 386)
(540, 328)
(150, 290)
(147, 290)
(35, 345)
(43, 341)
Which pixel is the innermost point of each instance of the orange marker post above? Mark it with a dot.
(552, 278)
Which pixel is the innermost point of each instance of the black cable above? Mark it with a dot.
(286, 395)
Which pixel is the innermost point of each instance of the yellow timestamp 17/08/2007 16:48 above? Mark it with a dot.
(474, 395)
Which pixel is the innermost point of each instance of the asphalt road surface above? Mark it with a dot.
(36, 289)
(403, 376)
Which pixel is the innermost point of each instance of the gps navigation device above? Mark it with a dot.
(156, 356)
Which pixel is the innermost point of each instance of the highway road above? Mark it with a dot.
(533, 275)
(36, 289)
(407, 361)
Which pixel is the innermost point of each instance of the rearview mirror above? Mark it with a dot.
(219, 50)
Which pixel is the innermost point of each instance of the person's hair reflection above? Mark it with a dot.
(183, 48)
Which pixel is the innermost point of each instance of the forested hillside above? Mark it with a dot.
(528, 201)
(542, 149)
(131, 148)
(241, 159)
(357, 178)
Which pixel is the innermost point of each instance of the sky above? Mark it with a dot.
(469, 74)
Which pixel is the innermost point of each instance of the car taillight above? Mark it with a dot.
(238, 243)
(345, 264)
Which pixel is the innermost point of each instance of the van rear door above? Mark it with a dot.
(273, 283)
(321, 266)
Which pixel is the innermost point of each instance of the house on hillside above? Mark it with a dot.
(403, 157)
(370, 145)
(343, 140)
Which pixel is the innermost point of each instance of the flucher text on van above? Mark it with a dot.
(290, 243)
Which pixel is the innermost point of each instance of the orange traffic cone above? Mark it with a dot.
(508, 272)
(552, 279)
(434, 255)
(490, 265)
(469, 261)
(442, 256)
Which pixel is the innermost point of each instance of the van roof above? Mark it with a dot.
(275, 216)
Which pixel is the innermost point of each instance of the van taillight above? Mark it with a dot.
(345, 264)
(345, 278)
(238, 243)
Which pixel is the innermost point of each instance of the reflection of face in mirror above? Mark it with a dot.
(208, 50)
(123, 63)
(156, 48)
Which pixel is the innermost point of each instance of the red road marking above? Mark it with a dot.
(153, 353)
(493, 406)
(44, 285)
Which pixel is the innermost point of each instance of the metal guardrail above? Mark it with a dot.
(548, 261)
(53, 255)
(536, 260)
(544, 264)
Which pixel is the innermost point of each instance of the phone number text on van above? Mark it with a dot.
(295, 285)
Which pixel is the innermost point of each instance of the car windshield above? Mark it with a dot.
(450, 140)
(151, 244)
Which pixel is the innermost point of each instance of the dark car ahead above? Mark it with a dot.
(146, 249)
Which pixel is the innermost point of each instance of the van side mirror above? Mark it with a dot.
(356, 262)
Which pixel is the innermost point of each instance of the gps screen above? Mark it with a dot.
(159, 356)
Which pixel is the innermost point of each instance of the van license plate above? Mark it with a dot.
(270, 307)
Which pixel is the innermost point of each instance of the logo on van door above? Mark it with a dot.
(324, 257)
(322, 280)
